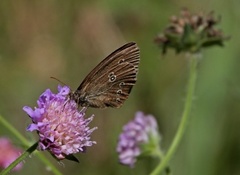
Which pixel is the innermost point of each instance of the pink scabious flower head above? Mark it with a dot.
(8, 153)
(61, 127)
(139, 137)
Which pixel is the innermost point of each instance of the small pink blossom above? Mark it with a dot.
(139, 137)
(8, 153)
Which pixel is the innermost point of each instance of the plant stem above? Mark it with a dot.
(185, 117)
(27, 144)
(20, 159)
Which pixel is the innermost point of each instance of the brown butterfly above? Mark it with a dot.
(111, 81)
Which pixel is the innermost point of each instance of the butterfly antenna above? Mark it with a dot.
(59, 81)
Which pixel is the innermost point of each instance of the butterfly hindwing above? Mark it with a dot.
(111, 81)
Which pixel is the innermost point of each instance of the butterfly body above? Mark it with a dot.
(111, 81)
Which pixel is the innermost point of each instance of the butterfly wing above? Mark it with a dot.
(111, 81)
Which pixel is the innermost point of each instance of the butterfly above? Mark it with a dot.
(110, 82)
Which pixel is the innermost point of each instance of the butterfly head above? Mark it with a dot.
(79, 99)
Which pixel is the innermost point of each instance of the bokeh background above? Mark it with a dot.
(66, 39)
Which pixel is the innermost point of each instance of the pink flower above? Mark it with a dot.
(139, 137)
(8, 153)
(62, 128)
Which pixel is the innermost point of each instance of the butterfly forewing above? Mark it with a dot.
(111, 81)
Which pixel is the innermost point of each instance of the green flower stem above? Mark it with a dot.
(185, 117)
(160, 155)
(20, 159)
(27, 144)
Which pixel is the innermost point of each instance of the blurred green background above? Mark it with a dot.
(66, 39)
